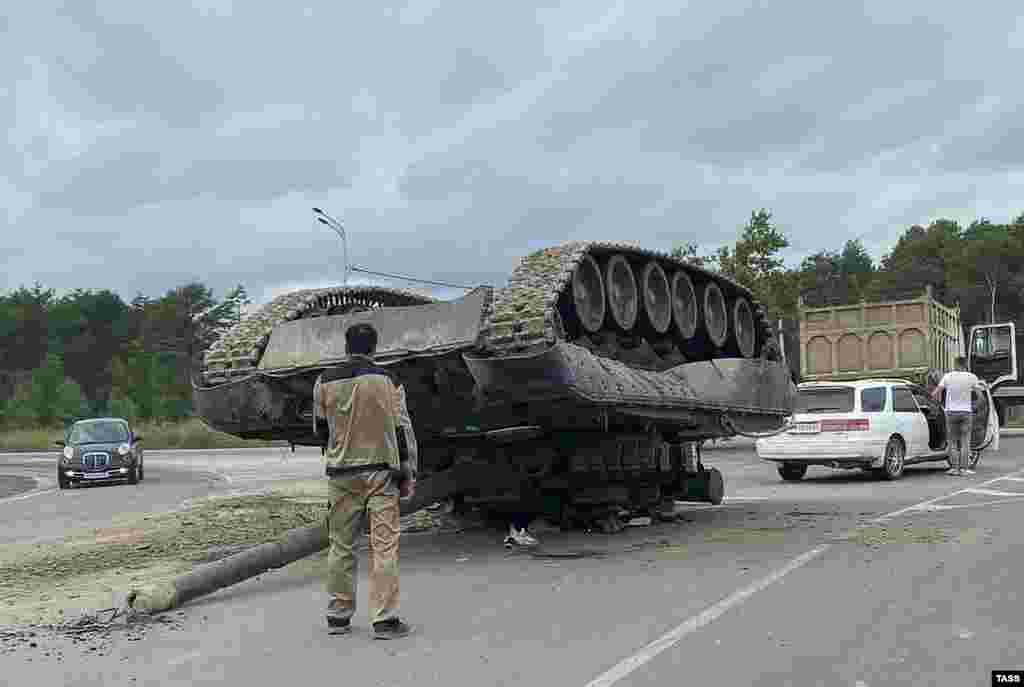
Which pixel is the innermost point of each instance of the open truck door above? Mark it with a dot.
(992, 355)
(989, 438)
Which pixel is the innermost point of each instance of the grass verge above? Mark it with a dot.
(189, 434)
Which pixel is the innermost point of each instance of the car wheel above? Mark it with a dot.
(895, 456)
(62, 481)
(133, 476)
(792, 472)
(142, 475)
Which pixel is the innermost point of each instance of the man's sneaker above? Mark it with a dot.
(392, 628)
(338, 626)
(520, 538)
(953, 471)
(967, 471)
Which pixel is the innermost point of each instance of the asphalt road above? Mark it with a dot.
(765, 589)
(44, 512)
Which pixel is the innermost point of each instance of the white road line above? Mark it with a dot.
(992, 492)
(939, 506)
(920, 506)
(30, 495)
(694, 623)
(1014, 479)
(669, 639)
(184, 658)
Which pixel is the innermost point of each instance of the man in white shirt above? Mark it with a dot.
(958, 386)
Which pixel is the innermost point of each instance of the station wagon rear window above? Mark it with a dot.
(872, 399)
(836, 399)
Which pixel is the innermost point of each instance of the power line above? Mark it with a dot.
(403, 277)
(339, 229)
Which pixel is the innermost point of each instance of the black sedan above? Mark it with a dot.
(100, 450)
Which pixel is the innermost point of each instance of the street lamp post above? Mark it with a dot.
(339, 229)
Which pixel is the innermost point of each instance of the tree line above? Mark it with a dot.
(980, 266)
(89, 353)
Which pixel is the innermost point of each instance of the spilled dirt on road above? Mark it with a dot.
(41, 583)
(874, 537)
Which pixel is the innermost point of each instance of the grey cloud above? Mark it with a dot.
(454, 137)
(472, 77)
(997, 146)
(106, 187)
(131, 72)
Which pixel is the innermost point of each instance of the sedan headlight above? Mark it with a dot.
(124, 450)
(69, 453)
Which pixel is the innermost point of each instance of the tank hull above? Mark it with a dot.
(581, 383)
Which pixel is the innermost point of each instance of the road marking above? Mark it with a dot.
(669, 639)
(956, 506)
(694, 623)
(1014, 479)
(30, 495)
(992, 492)
(185, 658)
(923, 504)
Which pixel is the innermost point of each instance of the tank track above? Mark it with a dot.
(238, 351)
(539, 306)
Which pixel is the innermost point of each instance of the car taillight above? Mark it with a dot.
(861, 425)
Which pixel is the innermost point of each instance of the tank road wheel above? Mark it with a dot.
(684, 305)
(892, 465)
(657, 299)
(743, 327)
(716, 320)
(792, 472)
(623, 296)
(588, 294)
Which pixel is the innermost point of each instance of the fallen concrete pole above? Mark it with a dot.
(291, 546)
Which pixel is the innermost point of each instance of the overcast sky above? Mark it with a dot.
(150, 144)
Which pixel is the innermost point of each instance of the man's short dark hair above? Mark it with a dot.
(961, 361)
(361, 339)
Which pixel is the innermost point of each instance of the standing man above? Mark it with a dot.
(371, 458)
(958, 386)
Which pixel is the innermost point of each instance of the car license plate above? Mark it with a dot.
(96, 475)
(805, 428)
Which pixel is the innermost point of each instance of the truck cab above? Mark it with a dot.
(992, 356)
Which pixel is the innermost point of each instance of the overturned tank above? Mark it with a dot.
(587, 382)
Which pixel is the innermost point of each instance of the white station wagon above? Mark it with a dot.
(881, 425)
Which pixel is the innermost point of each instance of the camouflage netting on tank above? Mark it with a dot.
(523, 311)
(244, 341)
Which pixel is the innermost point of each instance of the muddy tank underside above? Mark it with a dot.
(592, 365)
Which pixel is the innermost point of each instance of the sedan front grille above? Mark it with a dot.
(96, 461)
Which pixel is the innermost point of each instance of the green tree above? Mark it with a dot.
(754, 262)
(821, 279)
(991, 257)
(71, 401)
(147, 379)
(24, 327)
(921, 256)
(88, 329)
(186, 321)
(53, 396)
(688, 251)
(123, 407)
